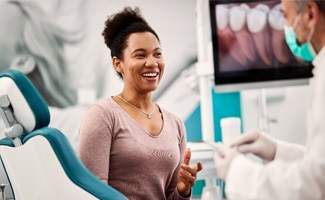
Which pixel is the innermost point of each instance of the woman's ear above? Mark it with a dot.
(117, 64)
(23, 63)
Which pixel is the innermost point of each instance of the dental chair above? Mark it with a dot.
(38, 160)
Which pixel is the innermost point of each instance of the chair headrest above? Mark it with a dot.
(29, 108)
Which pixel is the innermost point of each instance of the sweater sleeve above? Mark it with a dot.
(172, 193)
(95, 142)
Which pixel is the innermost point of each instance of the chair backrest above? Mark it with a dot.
(39, 161)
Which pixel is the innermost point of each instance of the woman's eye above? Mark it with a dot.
(158, 54)
(139, 56)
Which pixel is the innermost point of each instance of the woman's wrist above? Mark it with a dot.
(185, 194)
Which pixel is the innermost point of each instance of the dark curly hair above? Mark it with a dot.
(119, 26)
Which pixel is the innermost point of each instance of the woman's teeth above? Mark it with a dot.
(150, 74)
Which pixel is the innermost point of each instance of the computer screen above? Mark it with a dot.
(249, 48)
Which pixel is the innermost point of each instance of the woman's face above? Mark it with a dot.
(143, 65)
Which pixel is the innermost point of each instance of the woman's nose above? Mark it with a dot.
(151, 62)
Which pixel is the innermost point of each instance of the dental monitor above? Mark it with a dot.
(249, 47)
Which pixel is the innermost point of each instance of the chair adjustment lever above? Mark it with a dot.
(13, 130)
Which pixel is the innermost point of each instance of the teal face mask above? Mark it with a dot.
(304, 51)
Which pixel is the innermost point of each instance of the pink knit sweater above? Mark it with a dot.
(121, 153)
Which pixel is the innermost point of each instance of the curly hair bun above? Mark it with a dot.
(118, 22)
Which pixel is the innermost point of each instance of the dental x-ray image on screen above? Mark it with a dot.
(249, 47)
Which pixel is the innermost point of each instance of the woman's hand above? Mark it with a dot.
(187, 175)
(257, 143)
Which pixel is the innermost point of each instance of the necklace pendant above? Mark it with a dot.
(135, 107)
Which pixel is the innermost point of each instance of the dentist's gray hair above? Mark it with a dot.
(302, 3)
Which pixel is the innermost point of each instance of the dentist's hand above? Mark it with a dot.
(257, 143)
(187, 175)
(223, 159)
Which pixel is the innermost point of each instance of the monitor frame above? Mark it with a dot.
(288, 75)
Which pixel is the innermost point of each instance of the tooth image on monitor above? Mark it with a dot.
(226, 38)
(229, 49)
(276, 22)
(258, 25)
(238, 26)
(249, 48)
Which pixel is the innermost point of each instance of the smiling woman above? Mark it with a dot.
(127, 140)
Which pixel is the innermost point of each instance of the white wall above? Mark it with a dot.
(174, 22)
(286, 105)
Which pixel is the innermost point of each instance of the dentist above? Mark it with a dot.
(293, 171)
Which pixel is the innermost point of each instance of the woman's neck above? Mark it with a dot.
(142, 101)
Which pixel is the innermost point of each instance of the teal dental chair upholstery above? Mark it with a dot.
(39, 161)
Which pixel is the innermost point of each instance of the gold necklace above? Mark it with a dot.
(129, 103)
